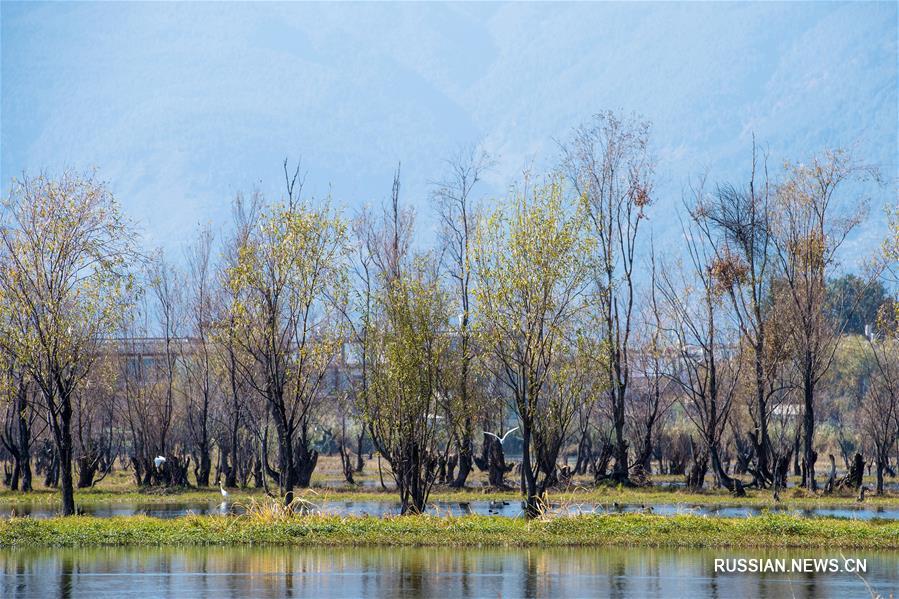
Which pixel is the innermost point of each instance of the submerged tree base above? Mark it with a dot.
(769, 530)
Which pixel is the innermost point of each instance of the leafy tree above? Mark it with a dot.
(409, 392)
(533, 270)
(286, 280)
(64, 282)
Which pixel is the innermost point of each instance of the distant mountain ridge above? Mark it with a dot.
(181, 106)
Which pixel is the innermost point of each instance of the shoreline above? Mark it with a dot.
(767, 530)
(790, 499)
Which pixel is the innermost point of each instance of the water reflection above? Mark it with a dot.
(417, 572)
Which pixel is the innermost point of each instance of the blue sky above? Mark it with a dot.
(180, 106)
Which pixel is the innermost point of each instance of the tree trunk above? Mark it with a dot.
(644, 455)
(620, 471)
(87, 469)
(65, 460)
(287, 472)
(465, 451)
(24, 449)
(832, 478)
(809, 457)
(408, 470)
(13, 480)
(601, 464)
(855, 476)
(533, 503)
(360, 461)
(258, 476)
(584, 449)
(761, 442)
(734, 485)
(346, 464)
(696, 475)
(204, 467)
(304, 463)
(25, 469)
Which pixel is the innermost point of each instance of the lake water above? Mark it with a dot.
(384, 507)
(217, 572)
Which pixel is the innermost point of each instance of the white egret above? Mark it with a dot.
(158, 461)
(222, 488)
(503, 438)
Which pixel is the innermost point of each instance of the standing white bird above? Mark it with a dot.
(224, 492)
(503, 438)
(158, 461)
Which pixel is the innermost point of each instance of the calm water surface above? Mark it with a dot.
(417, 572)
(384, 507)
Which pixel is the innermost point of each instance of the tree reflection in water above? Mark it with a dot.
(417, 572)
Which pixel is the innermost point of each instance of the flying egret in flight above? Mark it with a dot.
(158, 461)
(503, 438)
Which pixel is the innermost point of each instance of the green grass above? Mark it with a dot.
(769, 530)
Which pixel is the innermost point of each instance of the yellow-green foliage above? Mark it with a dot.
(64, 280)
(287, 280)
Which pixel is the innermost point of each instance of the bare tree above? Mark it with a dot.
(166, 286)
(458, 215)
(880, 403)
(707, 371)
(199, 353)
(609, 164)
(96, 434)
(231, 364)
(736, 220)
(652, 393)
(811, 226)
(18, 425)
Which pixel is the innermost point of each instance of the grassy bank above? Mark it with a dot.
(769, 530)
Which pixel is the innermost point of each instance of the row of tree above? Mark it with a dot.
(298, 331)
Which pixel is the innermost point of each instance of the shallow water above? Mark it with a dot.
(507, 509)
(421, 572)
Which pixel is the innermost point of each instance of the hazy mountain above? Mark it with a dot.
(180, 106)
